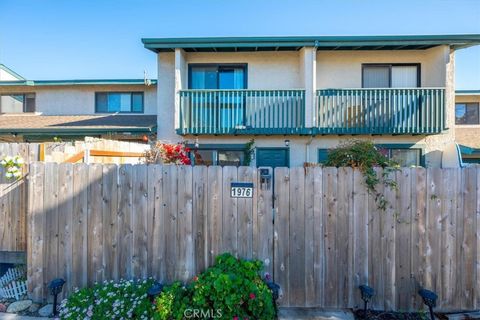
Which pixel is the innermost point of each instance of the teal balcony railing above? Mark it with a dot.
(380, 111)
(242, 111)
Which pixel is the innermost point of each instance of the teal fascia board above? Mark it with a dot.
(74, 131)
(467, 92)
(295, 42)
(76, 82)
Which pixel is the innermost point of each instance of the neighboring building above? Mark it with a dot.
(467, 124)
(299, 96)
(68, 109)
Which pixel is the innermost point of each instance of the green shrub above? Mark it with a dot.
(231, 289)
(109, 300)
(234, 287)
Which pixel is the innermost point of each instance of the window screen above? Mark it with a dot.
(124, 102)
(376, 76)
(404, 77)
(467, 113)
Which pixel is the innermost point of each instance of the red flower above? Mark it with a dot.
(235, 318)
(252, 296)
(195, 278)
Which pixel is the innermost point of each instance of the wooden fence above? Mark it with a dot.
(93, 222)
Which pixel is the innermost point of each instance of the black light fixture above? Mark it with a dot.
(367, 294)
(154, 291)
(287, 143)
(430, 299)
(55, 287)
(275, 288)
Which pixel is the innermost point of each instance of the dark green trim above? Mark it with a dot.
(405, 146)
(397, 42)
(390, 65)
(76, 131)
(210, 146)
(322, 154)
(120, 92)
(273, 148)
(76, 82)
(11, 72)
(467, 92)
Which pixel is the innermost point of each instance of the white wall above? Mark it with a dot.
(343, 69)
(7, 76)
(64, 100)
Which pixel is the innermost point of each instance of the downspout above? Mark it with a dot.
(312, 135)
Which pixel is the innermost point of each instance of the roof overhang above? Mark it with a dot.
(34, 83)
(467, 92)
(233, 44)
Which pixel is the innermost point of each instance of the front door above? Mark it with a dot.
(273, 157)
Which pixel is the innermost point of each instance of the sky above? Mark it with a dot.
(101, 39)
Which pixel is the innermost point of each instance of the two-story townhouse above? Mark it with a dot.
(299, 96)
(32, 110)
(467, 124)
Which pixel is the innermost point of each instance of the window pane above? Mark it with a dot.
(376, 76)
(406, 157)
(30, 102)
(231, 158)
(113, 100)
(231, 78)
(404, 77)
(322, 155)
(203, 157)
(466, 113)
(137, 102)
(204, 78)
(101, 102)
(125, 102)
(12, 103)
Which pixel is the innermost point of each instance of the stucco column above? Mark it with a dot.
(180, 81)
(308, 66)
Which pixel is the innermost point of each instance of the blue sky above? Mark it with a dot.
(74, 39)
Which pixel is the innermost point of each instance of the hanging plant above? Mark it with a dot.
(248, 151)
(13, 167)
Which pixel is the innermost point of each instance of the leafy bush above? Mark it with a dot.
(231, 289)
(364, 156)
(109, 300)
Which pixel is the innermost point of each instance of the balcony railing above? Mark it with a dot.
(380, 111)
(242, 111)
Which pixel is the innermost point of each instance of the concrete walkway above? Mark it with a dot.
(12, 316)
(314, 314)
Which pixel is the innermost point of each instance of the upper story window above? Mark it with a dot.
(17, 103)
(217, 76)
(123, 102)
(467, 113)
(390, 75)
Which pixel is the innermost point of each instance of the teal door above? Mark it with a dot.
(273, 157)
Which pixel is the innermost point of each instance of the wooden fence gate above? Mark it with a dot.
(88, 223)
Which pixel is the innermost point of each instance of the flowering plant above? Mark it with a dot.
(13, 166)
(231, 289)
(168, 153)
(109, 300)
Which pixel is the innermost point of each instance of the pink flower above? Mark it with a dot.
(235, 318)
(252, 296)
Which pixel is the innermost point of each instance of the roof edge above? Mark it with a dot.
(11, 72)
(77, 82)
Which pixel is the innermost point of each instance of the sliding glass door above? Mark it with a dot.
(222, 101)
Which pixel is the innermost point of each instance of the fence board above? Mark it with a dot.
(92, 222)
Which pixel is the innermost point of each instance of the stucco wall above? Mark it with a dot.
(6, 76)
(59, 100)
(266, 70)
(468, 135)
(343, 69)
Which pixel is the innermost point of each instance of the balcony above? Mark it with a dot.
(380, 111)
(242, 112)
